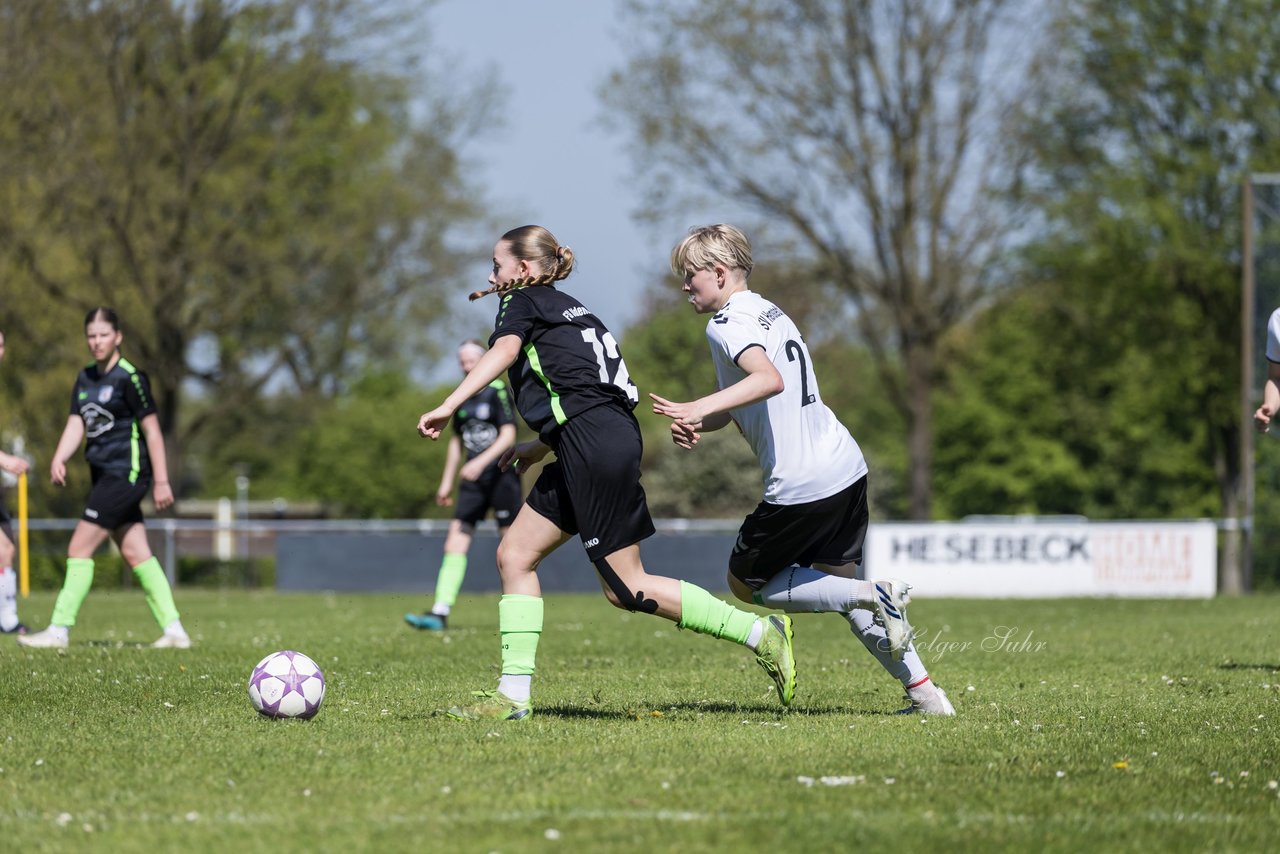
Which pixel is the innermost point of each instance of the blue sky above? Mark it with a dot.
(553, 163)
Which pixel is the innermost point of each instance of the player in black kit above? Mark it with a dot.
(572, 387)
(483, 428)
(112, 407)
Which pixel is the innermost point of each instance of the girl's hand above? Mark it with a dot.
(432, 423)
(470, 471)
(524, 456)
(685, 420)
(1262, 418)
(684, 435)
(13, 465)
(58, 472)
(162, 495)
(684, 412)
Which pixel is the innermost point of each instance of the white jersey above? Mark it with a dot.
(1273, 337)
(805, 452)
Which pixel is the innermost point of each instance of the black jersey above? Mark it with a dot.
(477, 421)
(113, 407)
(569, 362)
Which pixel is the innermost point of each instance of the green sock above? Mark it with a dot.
(520, 624)
(74, 590)
(449, 581)
(156, 586)
(705, 614)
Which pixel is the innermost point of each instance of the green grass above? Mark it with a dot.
(1100, 724)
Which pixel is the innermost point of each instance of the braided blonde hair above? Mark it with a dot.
(534, 244)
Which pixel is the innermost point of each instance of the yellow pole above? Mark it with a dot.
(24, 565)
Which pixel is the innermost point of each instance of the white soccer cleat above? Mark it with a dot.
(172, 641)
(934, 703)
(892, 598)
(54, 637)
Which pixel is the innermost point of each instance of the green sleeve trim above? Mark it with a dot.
(531, 353)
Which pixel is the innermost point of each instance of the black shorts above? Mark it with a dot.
(593, 487)
(830, 530)
(114, 501)
(495, 488)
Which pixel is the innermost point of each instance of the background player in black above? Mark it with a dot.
(111, 406)
(483, 428)
(572, 387)
(8, 578)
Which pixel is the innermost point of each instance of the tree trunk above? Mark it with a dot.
(1232, 572)
(1233, 557)
(919, 364)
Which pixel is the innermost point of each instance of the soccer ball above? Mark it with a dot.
(286, 684)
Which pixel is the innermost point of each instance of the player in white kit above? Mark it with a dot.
(1271, 389)
(800, 548)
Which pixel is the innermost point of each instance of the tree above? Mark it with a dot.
(260, 203)
(1141, 140)
(1051, 412)
(862, 131)
(364, 459)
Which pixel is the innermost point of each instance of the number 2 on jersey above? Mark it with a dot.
(795, 352)
(606, 351)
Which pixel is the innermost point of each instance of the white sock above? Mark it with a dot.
(803, 589)
(8, 598)
(440, 610)
(753, 637)
(516, 687)
(175, 628)
(922, 690)
(909, 671)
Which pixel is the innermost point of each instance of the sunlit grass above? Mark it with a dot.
(1082, 724)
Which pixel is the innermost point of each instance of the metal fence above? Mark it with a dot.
(320, 542)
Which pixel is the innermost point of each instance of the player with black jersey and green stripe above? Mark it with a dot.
(483, 428)
(114, 413)
(572, 387)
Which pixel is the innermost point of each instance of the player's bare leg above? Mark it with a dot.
(530, 539)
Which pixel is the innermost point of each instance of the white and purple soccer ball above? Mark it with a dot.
(286, 684)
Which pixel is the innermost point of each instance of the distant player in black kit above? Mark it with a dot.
(572, 387)
(483, 428)
(8, 578)
(112, 406)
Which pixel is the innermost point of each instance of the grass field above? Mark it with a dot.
(1082, 725)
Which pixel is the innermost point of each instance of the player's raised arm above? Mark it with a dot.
(495, 361)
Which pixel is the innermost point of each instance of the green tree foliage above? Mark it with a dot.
(363, 457)
(267, 209)
(1047, 414)
(1154, 115)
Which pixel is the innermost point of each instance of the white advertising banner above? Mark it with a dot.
(1046, 559)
